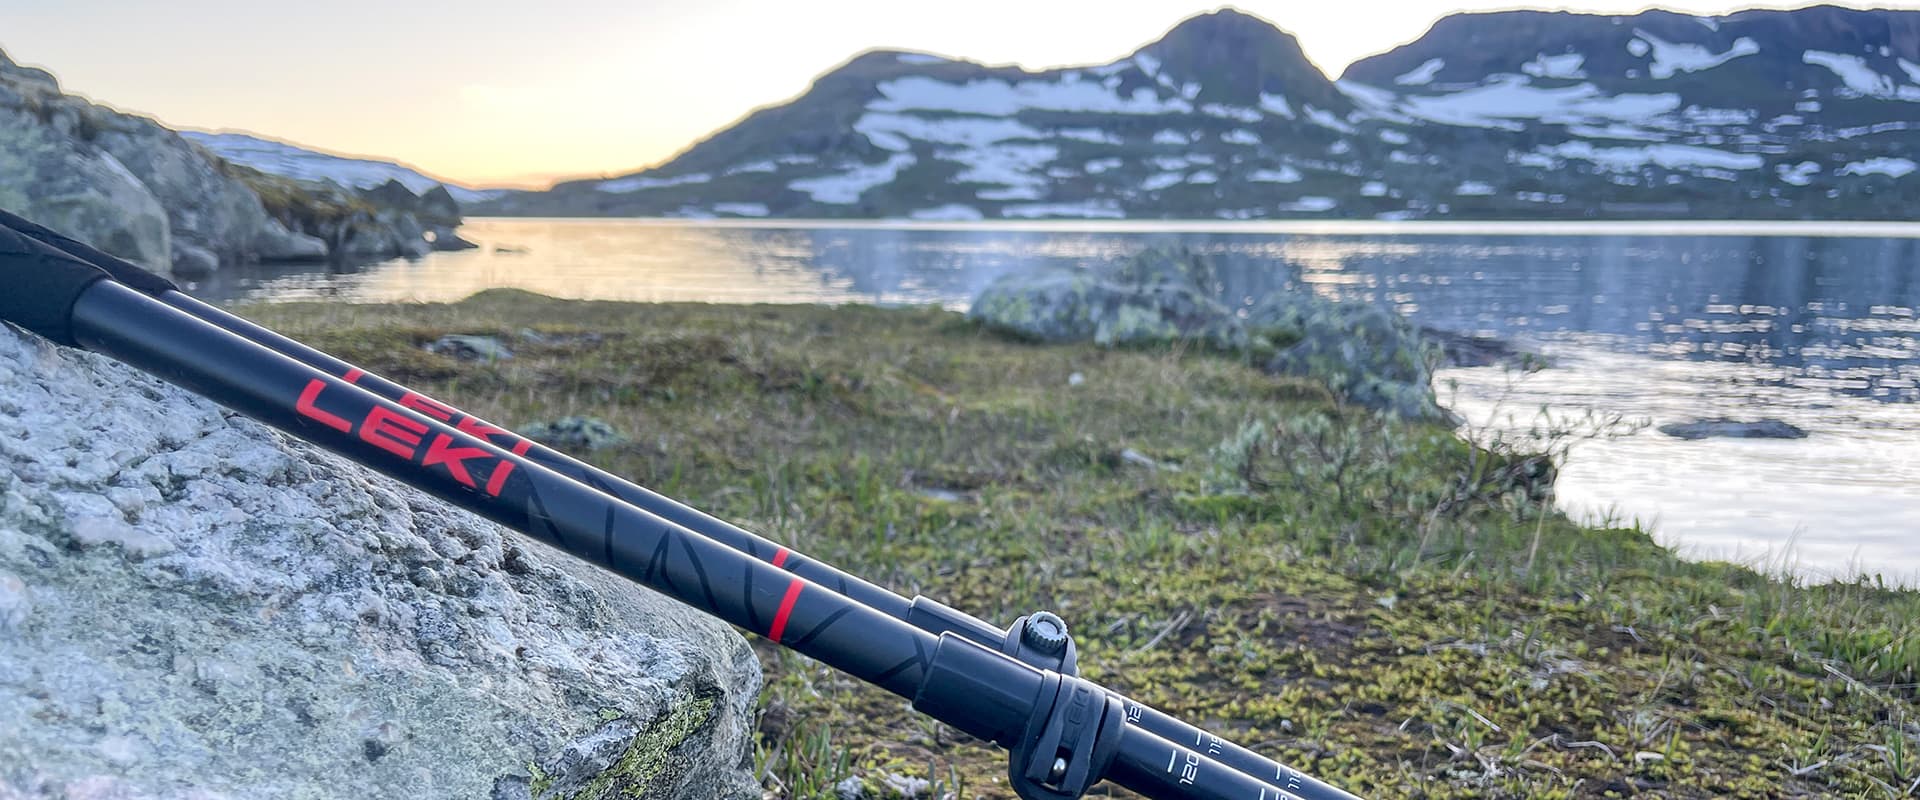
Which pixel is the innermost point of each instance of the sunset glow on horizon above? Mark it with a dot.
(492, 93)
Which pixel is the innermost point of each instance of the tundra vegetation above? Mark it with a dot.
(1374, 601)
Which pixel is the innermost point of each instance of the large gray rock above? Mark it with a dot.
(1154, 298)
(193, 606)
(1368, 356)
(205, 206)
(136, 189)
(48, 177)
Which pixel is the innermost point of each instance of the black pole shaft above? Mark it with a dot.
(1280, 776)
(712, 527)
(424, 451)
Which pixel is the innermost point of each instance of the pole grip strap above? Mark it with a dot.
(117, 268)
(38, 284)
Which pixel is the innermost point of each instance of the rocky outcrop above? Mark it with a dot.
(138, 190)
(87, 191)
(1058, 305)
(1366, 355)
(193, 606)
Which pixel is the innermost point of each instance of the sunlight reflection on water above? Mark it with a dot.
(1669, 322)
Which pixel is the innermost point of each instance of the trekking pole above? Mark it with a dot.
(436, 448)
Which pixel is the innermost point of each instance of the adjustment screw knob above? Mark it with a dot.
(1045, 632)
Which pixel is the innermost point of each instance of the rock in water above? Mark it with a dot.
(1730, 428)
(193, 606)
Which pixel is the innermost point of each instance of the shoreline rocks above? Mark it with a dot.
(138, 190)
(1366, 355)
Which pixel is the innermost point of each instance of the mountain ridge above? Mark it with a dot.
(305, 162)
(1512, 114)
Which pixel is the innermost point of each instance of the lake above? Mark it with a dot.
(1813, 324)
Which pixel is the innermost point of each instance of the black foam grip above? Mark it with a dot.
(38, 284)
(118, 268)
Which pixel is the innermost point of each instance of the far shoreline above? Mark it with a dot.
(1333, 227)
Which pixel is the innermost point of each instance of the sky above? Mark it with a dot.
(512, 92)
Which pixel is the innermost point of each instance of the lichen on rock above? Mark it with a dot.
(1366, 355)
(192, 605)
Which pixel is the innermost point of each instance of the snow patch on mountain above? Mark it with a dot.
(1237, 113)
(1799, 174)
(842, 188)
(996, 97)
(1013, 166)
(1312, 203)
(1673, 58)
(1562, 67)
(1276, 104)
(1423, 74)
(1094, 135)
(1285, 174)
(638, 183)
(1326, 119)
(1890, 167)
(1161, 180)
(1860, 78)
(1513, 97)
(741, 209)
(306, 164)
(891, 131)
(1669, 156)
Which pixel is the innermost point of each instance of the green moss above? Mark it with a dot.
(648, 755)
(1374, 602)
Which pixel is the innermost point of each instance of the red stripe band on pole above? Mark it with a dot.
(353, 375)
(780, 558)
(786, 609)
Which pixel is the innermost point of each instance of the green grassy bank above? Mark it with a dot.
(1376, 604)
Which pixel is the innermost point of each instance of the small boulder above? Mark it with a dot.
(1156, 297)
(463, 347)
(1733, 429)
(1369, 356)
(574, 434)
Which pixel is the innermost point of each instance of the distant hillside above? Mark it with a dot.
(307, 164)
(1762, 114)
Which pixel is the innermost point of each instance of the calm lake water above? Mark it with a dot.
(1663, 323)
